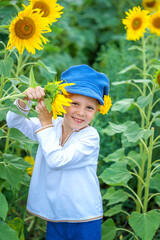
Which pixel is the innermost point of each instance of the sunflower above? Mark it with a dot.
(26, 31)
(107, 105)
(136, 22)
(154, 23)
(157, 78)
(49, 8)
(151, 5)
(31, 161)
(55, 97)
(57, 105)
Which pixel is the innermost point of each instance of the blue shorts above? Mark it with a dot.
(74, 231)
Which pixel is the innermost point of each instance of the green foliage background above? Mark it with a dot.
(89, 32)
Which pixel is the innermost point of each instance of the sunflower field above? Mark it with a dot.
(41, 39)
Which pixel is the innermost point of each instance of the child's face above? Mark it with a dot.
(81, 111)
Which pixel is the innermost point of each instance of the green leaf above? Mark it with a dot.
(18, 136)
(49, 69)
(15, 109)
(157, 122)
(145, 81)
(48, 104)
(3, 206)
(24, 80)
(15, 161)
(122, 105)
(145, 225)
(116, 156)
(126, 143)
(143, 101)
(17, 225)
(11, 174)
(113, 210)
(154, 182)
(115, 196)
(108, 230)
(32, 80)
(116, 174)
(133, 66)
(6, 67)
(134, 133)
(135, 48)
(135, 156)
(157, 200)
(7, 233)
(120, 128)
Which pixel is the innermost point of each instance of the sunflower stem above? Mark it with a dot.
(20, 60)
(142, 149)
(148, 173)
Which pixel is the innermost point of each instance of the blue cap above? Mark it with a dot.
(88, 82)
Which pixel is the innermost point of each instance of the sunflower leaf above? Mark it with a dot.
(32, 80)
(48, 103)
(146, 224)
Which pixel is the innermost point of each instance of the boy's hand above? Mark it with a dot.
(32, 93)
(44, 116)
(35, 93)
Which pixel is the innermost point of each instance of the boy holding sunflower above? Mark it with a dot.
(64, 188)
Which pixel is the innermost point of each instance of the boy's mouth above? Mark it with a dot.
(77, 120)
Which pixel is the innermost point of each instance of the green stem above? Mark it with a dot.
(2, 85)
(19, 64)
(139, 200)
(148, 173)
(7, 141)
(142, 148)
(12, 96)
(126, 230)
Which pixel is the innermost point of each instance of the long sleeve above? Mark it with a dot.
(82, 150)
(26, 126)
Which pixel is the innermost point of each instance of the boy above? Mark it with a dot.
(64, 188)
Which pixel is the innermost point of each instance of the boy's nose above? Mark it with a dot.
(80, 112)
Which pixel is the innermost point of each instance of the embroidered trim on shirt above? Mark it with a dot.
(22, 109)
(72, 221)
(42, 128)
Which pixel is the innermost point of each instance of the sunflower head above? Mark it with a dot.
(151, 5)
(136, 23)
(31, 161)
(154, 23)
(157, 78)
(49, 8)
(55, 97)
(26, 31)
(104, 109)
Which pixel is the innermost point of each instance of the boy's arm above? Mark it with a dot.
(27, 127)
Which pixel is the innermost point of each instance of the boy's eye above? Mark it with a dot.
(90, 108)
(74, 103)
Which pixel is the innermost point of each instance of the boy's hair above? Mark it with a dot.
(88, 82)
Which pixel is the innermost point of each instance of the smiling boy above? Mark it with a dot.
(64, 188)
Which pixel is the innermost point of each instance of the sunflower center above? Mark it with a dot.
(150, 4)
(137, 22)
(43, 6)
(25, 28)
(156, 22)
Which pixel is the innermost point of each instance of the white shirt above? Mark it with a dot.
(64, 184)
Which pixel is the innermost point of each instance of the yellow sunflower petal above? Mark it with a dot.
(26, 31)
(49, 8)
(136, 22)
(107, 105)
(154, 23)
(31, 161)
(151, 5)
